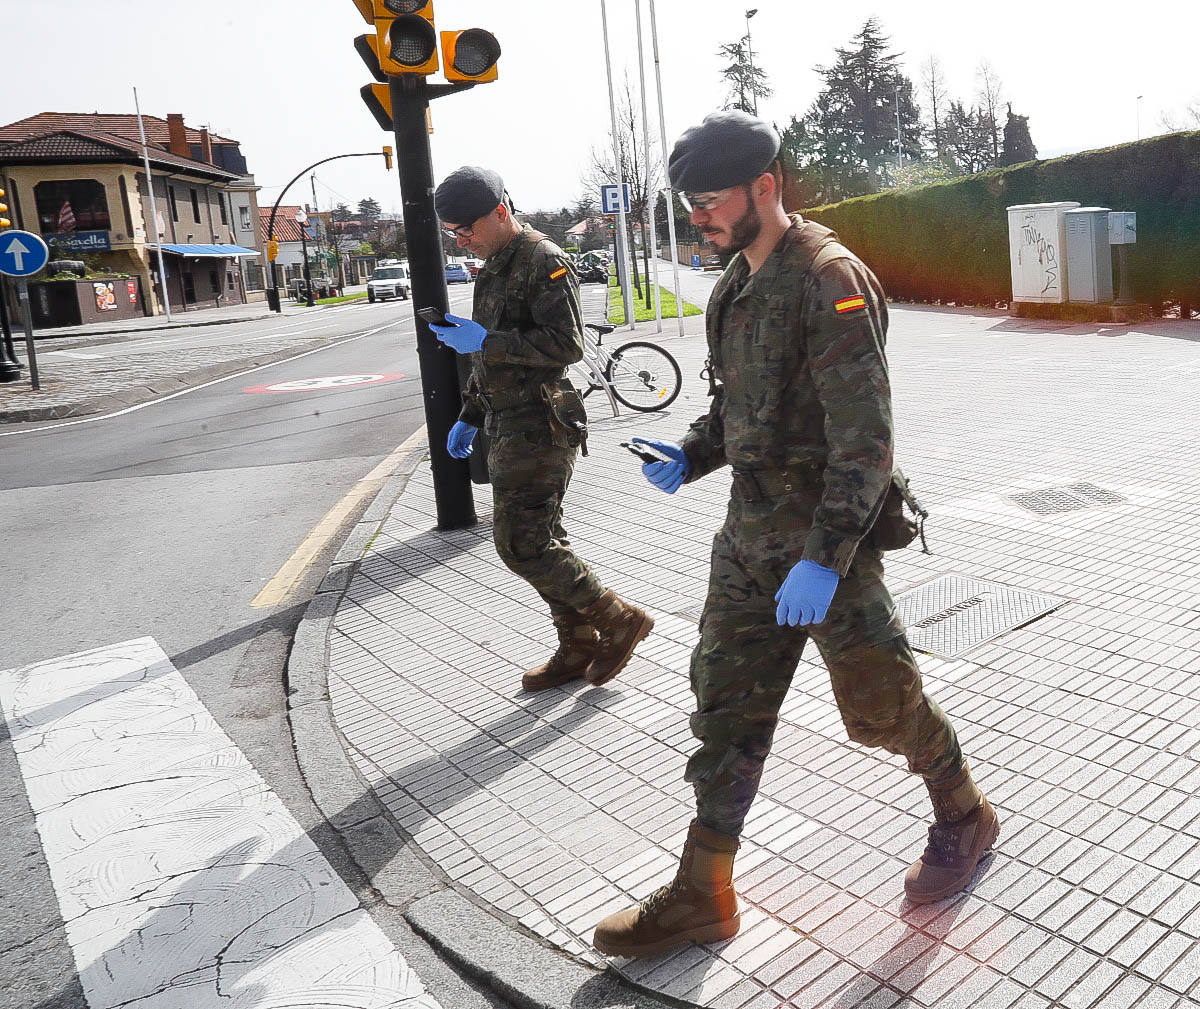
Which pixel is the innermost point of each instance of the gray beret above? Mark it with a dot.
(726, 149)
(467, 194)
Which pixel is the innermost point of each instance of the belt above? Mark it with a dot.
(760, 484)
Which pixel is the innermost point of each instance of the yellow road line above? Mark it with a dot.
(289, 577)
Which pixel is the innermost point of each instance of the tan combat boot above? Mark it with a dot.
(621, 627)
(577, 643)
(698, 906)
(965, 828)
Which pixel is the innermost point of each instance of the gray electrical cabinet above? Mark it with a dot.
(1089, 260)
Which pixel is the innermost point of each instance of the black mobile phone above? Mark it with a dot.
(643, 454)
(434, 317)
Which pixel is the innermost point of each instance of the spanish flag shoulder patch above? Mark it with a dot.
(850, 304)
(560, 272)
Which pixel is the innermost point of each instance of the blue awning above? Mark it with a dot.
(206, 250)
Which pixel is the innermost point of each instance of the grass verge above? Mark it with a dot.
(641, 311)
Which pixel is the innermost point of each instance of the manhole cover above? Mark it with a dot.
(952, 614)
(1068, 498)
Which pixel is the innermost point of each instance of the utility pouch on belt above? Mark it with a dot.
(893, 529)
(568, 418)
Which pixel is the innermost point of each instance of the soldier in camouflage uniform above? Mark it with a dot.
(526, 328)
(796, 329)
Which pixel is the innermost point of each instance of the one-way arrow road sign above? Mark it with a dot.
(22, 253)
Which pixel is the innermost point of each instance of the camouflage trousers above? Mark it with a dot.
(530, 475)
(743, 665)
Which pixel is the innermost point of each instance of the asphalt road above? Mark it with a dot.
(167, 521)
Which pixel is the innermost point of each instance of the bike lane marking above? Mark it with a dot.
(181, 877)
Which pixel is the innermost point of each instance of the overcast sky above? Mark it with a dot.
(283, 77)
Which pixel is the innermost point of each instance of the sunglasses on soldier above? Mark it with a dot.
(704, 201)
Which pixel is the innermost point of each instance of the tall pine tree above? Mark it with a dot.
(1018, 144)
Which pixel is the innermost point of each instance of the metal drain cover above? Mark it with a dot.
(952, 614)
(1067, 498)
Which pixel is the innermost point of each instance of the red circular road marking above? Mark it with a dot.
(325, 383)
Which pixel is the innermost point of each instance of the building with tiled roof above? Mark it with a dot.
(79, 181)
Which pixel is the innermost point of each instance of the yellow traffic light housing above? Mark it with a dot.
(470, 55)
(406, 39)
(272, 250)
(387, 158)
(4, 221)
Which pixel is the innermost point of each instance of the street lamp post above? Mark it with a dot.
(302, 220)
(1137, 112)
(750, 55)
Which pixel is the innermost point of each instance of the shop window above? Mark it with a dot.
(71, 205)
(189, 288)
(229, 282)
(214, 281)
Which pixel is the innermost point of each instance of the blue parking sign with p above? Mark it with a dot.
(614, 199)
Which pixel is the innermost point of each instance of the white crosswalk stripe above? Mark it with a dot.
(183, 880)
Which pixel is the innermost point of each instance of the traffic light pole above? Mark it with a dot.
(273, 294)
(410, 96)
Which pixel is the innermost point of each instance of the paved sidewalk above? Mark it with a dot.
(553, 809)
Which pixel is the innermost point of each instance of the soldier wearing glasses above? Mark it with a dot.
(526, 328)
(796, 329)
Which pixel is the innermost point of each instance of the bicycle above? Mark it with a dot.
(638, 374)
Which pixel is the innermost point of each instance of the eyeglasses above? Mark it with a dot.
(703, 201)
(463, 231)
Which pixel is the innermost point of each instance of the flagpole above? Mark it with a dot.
(149, 216)
(662, 131)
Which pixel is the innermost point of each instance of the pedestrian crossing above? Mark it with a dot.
(183, 881)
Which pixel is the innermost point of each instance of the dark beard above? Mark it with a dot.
(744, 231)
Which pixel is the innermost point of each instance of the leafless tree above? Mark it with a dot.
(991, 96)
(934, 88)
(640, 167)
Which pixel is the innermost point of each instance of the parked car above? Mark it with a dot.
(473, 266)
(456, 273)
(389, 281)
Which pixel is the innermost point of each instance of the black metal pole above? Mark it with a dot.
(439, 372)
(10, 367)
(308, 291)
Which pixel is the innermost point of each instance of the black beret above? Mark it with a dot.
(726, 149)
(467, 194)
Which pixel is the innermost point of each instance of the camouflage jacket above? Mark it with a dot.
(527, 298)
(798, 348)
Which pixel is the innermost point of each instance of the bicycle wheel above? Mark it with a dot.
(644, 376)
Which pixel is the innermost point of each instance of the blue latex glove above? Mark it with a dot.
(459, 443)
(666, 476)
(805, 594)
(465, 336)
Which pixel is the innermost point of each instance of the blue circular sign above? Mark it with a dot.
(22, 253)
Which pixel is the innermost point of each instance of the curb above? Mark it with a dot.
(514, 965)
(164, 386)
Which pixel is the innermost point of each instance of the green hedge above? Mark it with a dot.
(948, 241)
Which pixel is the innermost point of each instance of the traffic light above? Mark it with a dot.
(4, 221)
(272, 250)
(405, 41)
(378, 99)
(470, 55)
(387, 158)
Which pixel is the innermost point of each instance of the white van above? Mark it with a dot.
(390, 280)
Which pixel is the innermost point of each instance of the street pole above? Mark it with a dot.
(302, 220)
(651, 233)
(899, 139)
(150, 215)
(10, 367)
(1137, 112)
(439, 369)
(618, 153)
(662, 133)
(750, 55)
(30, 353)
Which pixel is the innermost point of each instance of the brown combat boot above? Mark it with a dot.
(964, 830)
(577, 643)
(698, 906)
(621, 627)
